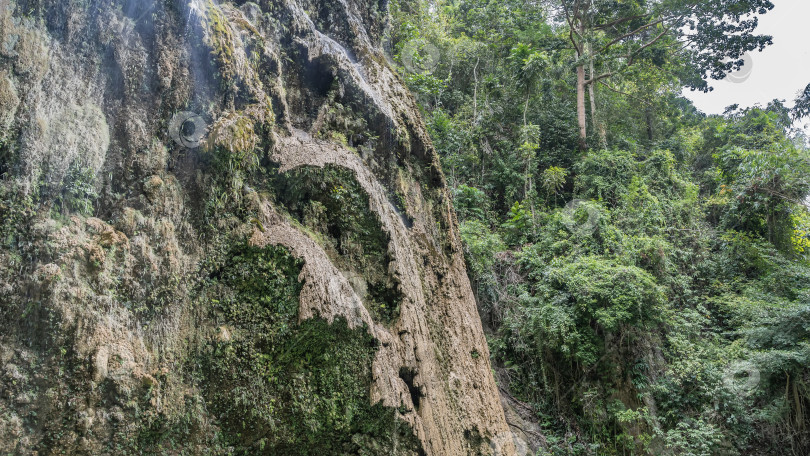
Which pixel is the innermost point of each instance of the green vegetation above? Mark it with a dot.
(642, 269)
(17, 209)
(330, 202)
(280, 387)
(78, 191)
(219, 37)
(650, 295)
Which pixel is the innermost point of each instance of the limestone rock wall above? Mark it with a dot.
(138, 138)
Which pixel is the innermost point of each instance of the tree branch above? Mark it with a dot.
(598, 78)
(619, 21)
(632, 56)
(629, 34)
(570, 27)
(641, 100)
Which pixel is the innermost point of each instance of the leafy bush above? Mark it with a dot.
(605, 175)
(554, 179)
(761, 188)
(481, 246)
(610, 294)
(470, 203)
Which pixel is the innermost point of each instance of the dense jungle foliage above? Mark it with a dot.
(645, 285)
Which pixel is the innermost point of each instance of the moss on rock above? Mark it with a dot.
(279, 387)
(331, 202)
(9, 101)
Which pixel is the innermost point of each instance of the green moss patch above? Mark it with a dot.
(330, 202)
(279, 387)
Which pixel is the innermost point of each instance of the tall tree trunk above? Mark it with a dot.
(581, 119)
(580, 49)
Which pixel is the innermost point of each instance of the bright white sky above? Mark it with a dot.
(780, 71)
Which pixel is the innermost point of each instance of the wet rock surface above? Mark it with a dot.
(139, 142)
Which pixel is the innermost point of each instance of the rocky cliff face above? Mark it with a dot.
(224, 230)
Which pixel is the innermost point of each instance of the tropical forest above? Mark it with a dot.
(404, 227)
